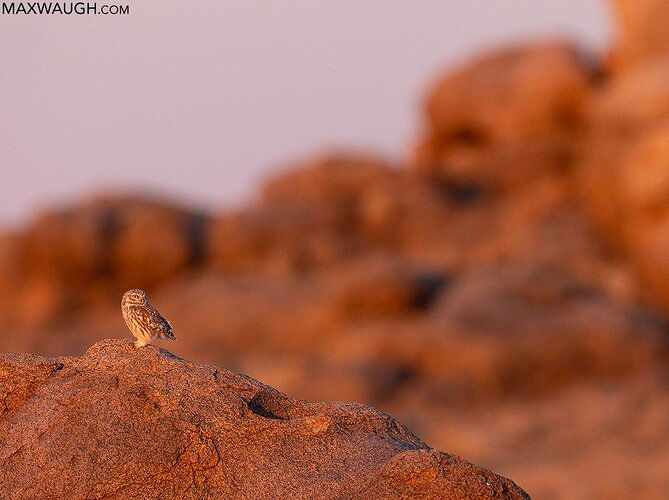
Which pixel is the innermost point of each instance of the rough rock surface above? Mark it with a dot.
(125, 423)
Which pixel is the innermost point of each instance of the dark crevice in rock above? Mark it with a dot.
(428, 288)
(257, 407)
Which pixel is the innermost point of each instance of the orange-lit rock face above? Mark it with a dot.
(634, 103)
(106, 246)
(505, 118)
(642, 34)
(122, 239)
(12, 274)
(122, 422)
(626, 111)
(337, 177)
(155, 242)
(623, 175)
(284, 238)
(641, 197)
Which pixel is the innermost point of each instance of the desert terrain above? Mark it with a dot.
(502, 291)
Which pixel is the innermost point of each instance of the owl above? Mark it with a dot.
(144, 320)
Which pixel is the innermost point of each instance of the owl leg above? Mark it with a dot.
(140, 343)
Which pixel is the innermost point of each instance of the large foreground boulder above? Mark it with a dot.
(125, 423)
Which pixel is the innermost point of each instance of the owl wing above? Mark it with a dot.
(157, 323)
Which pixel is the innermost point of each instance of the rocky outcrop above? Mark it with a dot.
(282, 239)
(120, 238)
(642, 32)
(505, 118)
(623, 177)
(126, 423)
(335, 177)
(68, 258)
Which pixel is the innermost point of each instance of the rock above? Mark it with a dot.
(309, 217)
(152, 240)
(12, 257)
(67, 244)
(497, 334)
(642, 32)
(411, 215)
(120, 422)
(530, 329)
(284, 238)
(633, 103)
(105, 246)
(129, 240)
(601, 439)
(641, 207)
(623, 180)
(505, 118)
(628, 112)
(392, 332)
(12, 274)
(381, 287)
(334, 177)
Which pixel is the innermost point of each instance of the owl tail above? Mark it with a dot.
(169, 334)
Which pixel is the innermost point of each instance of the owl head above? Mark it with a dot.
(134, 297)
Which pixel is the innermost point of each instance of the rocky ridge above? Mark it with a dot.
(125, 423)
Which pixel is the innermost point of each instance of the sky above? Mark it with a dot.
(201, 102)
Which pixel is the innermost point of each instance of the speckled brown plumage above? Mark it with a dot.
(144, 320)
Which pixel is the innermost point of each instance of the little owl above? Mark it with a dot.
(144, 320)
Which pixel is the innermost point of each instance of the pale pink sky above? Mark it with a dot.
(202, 99)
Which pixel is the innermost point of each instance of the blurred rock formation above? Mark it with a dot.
(641, 29)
